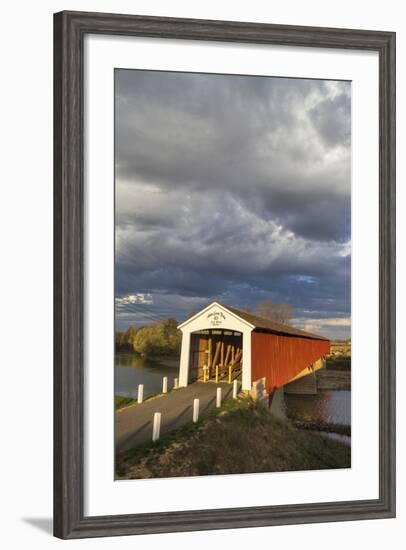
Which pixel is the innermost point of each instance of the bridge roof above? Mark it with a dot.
(262, 324)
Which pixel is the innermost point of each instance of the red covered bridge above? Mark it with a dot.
(222, 342)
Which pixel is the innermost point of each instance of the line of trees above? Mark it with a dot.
(162, 338)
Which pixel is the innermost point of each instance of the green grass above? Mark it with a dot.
(241, 437)
(120, 402)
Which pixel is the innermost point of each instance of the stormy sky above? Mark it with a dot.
(235, 189)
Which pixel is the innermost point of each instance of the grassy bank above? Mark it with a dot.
(240, 438)
(123, 402)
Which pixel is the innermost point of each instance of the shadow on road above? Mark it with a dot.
(123, 443)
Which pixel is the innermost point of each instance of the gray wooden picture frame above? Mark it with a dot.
(69, 31)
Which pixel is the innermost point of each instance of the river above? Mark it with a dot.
(131, 370)
(332, 407)
(326, 407)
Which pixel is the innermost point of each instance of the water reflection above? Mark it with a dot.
(333, 407)
(329, 406)
(132, 369)
(326, 407)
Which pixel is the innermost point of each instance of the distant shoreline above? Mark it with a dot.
(170, 361)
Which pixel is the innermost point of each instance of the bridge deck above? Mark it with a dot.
(133, 425)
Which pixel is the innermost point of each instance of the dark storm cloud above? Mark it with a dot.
(235, 188)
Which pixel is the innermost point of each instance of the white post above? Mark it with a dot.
(235, 389)
(195, 410)
(176, 383)
(165, 384)
(140, 397)
(218, 397)
(156, 426)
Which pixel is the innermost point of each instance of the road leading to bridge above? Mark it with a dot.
(133, 425)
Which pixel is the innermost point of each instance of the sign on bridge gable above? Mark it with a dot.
(216, 318)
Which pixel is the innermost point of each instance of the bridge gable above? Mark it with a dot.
(215, 316)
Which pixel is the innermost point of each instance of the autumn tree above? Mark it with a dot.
(125, 340)
(281, 313)
(161, 338)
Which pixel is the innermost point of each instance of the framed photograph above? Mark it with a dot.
(224, 274)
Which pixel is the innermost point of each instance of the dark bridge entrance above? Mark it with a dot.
(215, 355)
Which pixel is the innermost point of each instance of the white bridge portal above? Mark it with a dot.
(211, 336)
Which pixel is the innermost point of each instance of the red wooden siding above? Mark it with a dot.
(280, 358)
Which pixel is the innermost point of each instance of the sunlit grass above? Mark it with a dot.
(240, 437)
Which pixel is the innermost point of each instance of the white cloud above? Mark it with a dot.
(333, 327)
(138, 298)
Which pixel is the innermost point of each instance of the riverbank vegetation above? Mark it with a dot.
(120, 402)
(158, 339)
(241, 437)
